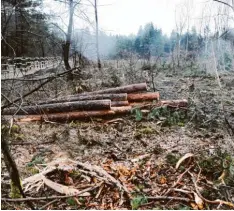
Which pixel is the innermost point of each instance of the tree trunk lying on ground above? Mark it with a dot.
(61, 107)
(70, 98)
(171, 103)
(175, 103)
(119, 103)
(143, 96)
(122, 89)
(67, 116)
(74, 115)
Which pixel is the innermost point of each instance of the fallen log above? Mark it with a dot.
(61, 107)
(172, 103)
(122, 110)
(73, 115)
(122, 89)
(71, 98)
(175, 103)
(119, 103)
(143, 96)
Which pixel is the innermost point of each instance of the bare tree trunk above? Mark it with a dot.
(97, 39)
(10, 163)
(66, 46)
(42, 49)
(16, 29)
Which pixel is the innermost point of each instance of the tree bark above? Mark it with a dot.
(123, 89)
(143, 96)
(66, 46)
(75, 115)
(10, 162)
(122, 110)
(70, 98)
(172, 103)
(119, 103)
(97, 38)
(61, 107)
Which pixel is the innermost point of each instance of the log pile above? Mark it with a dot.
(108, 102)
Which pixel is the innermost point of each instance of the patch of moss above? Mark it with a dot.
(32, 170)
(144, 131)
(15, 192)
(15, 129)
(19, 137)
(36, 160)
(171, 159)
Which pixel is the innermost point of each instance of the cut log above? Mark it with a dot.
(143, 97)
(171, 103)
(122, 110)
(175, 103)
(119, 103)
(71, 98)
(65, 116)
(74, 115)
(122, 89)
(61, 107)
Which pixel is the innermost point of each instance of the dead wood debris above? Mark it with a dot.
(108, 182)
(109, 102)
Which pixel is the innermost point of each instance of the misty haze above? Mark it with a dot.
(117, 104)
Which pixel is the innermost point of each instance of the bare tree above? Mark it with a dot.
(180, 22)
(66, 45)
(97, 39)
(231, 4)
(96, 31)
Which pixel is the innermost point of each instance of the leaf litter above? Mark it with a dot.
(128, 164)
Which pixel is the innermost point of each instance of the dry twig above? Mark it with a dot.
(49, 197)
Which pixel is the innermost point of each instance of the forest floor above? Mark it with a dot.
(140, 154)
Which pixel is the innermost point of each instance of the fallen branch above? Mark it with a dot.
(101, 172)
(48, 204)
(170, 198)
(49, 197)
(38, 87)
(62, 188)
(218, 201)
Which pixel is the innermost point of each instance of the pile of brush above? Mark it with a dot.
(108, 102)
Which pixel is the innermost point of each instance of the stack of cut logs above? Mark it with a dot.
(108, 102)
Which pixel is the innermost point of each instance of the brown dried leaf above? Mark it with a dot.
(163, 180)
(198, 201)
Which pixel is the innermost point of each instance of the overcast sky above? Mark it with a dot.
(126, 16)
